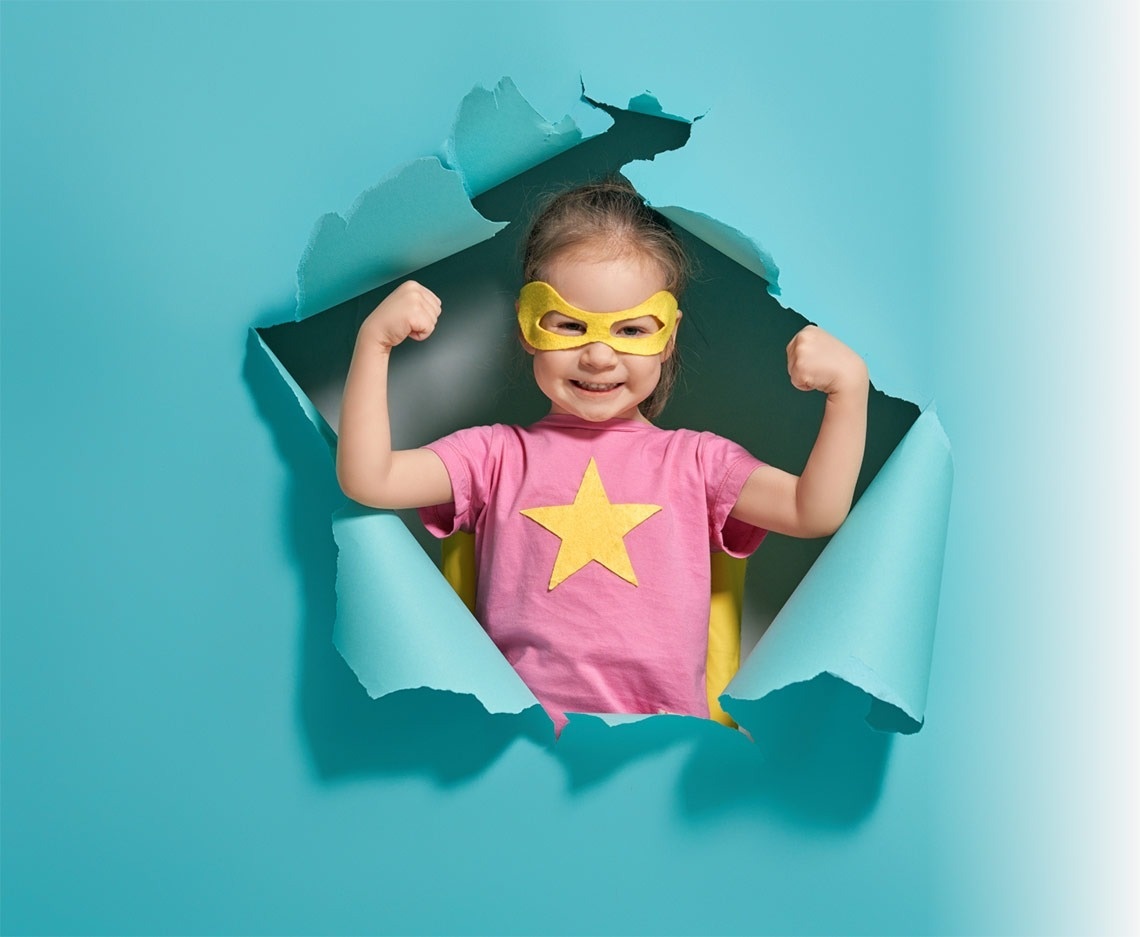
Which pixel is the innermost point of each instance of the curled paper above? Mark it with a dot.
(866, 609)
(352, 255)
(864, 612)
(385, 583)
(497, 135)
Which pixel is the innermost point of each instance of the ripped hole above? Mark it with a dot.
(733, 378)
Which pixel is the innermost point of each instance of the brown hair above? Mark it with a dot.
(612, 216)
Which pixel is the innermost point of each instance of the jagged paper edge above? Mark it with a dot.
(497, 135)
(866, 610)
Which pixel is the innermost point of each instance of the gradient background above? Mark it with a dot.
(950, 188)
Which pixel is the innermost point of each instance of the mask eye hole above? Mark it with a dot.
(641, 327)
(561, 324)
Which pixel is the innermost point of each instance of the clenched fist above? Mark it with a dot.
(820, 361)
(409, 311)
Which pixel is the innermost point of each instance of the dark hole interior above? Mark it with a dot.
(472, 371)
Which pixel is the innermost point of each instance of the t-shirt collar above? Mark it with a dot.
(618, 424)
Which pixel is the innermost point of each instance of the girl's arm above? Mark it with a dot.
(815, 503)
(366, 467)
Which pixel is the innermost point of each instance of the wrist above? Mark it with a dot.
(856, 391)
(374, 340)
(855, 383)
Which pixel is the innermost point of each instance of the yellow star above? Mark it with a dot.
(591, 529)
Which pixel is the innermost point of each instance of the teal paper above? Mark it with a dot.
(729, 241)
(400, 626)
(415, 217)
(866, 610)
(312, 414)
(649, 102)
(498, 135)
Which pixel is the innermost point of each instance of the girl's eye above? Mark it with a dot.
(636, 328)
(562, 325)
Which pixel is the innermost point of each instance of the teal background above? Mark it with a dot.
(183, 752)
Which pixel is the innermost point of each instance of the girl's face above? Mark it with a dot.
(594, 382)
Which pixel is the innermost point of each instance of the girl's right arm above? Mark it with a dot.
(366, 467)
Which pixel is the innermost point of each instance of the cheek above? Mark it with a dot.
(548, 365)
(649, 370)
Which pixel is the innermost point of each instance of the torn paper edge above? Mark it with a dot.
(866, 610)
(384, 576)
(486, 118)
(320, 424)
(730, 241)
(438, 221)
(646, 102)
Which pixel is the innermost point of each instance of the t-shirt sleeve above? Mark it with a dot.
(727, 467)
(468, 456)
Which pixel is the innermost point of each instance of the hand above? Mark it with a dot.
(820, 361)
(409, 311)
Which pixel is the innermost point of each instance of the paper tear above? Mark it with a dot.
(312, 414)
(497, 135)
(730, 241)
(399, 626)
(647, 102)
(368, 248)
(383, 577)
(866, 610)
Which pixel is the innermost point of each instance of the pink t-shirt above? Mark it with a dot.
(600, 609)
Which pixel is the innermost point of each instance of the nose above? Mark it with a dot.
(598, 356)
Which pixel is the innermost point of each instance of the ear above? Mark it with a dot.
(669, 348)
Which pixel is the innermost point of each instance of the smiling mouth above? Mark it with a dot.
(594, 388)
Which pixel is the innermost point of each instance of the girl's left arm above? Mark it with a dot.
(815, 503)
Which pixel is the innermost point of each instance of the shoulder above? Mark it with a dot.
(701, 443)
(473, 435)
(715, 460)
(473, 443)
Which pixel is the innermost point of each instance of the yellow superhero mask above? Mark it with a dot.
(537, 299)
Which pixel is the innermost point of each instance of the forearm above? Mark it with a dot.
(827, 484)
(815, 503)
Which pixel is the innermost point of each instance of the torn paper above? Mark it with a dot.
(400, 626)
(416, 216)
(866, 610)
(497, 135)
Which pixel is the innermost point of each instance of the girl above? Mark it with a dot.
(593, 527)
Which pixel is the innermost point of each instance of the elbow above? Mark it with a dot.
(344, 478)
(834, 522)
(823, 524)
(826, 530)
(356, 488)
(348, 487)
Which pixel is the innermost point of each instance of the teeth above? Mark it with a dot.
(587, 386)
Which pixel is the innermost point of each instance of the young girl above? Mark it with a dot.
(593, 527)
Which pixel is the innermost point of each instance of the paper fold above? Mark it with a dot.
(866, 610)
(398, 624)
(733, 243)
